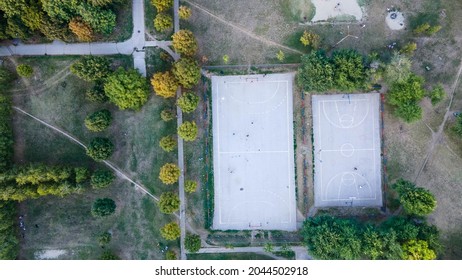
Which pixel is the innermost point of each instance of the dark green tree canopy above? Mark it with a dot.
(349, 70)
(102, 178)
(316, 74)
(169, 202)
(192, 242)
(188, 102)
(98, 121)
(103, 207)
(127, 89)
(187, 72)
(415, 200)
(100, 148)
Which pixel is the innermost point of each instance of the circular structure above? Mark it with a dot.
(346, 121)
(395, 20)
(347, 150)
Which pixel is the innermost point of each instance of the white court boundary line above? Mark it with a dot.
(290, 136)
(321, 111)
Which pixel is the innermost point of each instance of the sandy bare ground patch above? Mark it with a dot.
(327, 9)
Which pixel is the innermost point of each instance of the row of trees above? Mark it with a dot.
(344, 71)
(58, 19)
(163, 21)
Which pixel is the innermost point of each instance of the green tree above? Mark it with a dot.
(9, 242)
(409, 112)
(81, 174)
(169, 173)
(349, 70)
(127, 89)
(163, 22)
(187, 72)
(184, 12)
(166, 115)
(103, 207)
(398, 70)
(380, 245)
(437, 94)
(457, 127)
(81, 29)
(415, 200)
(190, 186)
(269, 248)
(170, 231)
(192, 242)
(405, 96)
(96, 93)
(315, 74)
(167, 143)
(91, 68)
(280, 56)
(188, 131)
(100, 149)
(169, 202)
(101, 178)
(408, 49)
(188, 102)
(418, 250)
(24, 70)
(101, 20)
(98, 121)
(162, 5)
(170, 255)
(100, 2)
(330, 238)
(164, 84)
(310, 39)
(184, 42)
(104, 238)
(6, 77)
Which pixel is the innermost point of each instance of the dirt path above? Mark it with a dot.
(437, 136)
(243, 30)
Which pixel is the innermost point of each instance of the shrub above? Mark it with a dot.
(164, 84)
(104, 239)
(162, 5)
(409, 48)
(98, 121)
(192, 242)
(163, 22)
(109, 256)
(91, 68)
(187, 72)
(417, 250)
(167, 143)
(170, 255)
(310, 39)
(280, 55)
(170, 231)
(103, 207)
(457, 128)
(184, 12)
(409, 112)
(188, 131)
(437, 94)
(188, 102)
(101, 178)
(169, 173)
(81, 174)
(167, 115)
(100, 149)
(190, 186)
(24, 70)
(169, 202)
(96, 93)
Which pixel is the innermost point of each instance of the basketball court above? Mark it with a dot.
(253, 152)
(347, 161)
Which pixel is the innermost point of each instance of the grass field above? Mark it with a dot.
(58, 99)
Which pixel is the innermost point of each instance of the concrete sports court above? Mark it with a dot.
(253, 152)
(347, 161)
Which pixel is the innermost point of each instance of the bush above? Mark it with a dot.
(169, 202)
(310, 39)
(437, 94)
(169, 173)
(184, 42)
(24, 70)
(409, 112)
(170, 231)
(315, 74)
(408, 49)
(405, 95)
(100, 149)
(109, 256)
(188, 131)
(187, 72)
(162, 5)
(96, 94)
(168, 143)
(104, 239)
(101, 178)
(127, 89)
(417, 250)
(91, 68)
(167, 115)
(5, 78)
(163, 22)
(188, 102)
(184, 12)
(103, 207)
(190, 186)
(192, 242)
(81, 174)
(457, 127)
(170, 255)
(98, 121)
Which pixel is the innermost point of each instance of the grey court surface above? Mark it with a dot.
(253, 152)
(347, 150)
